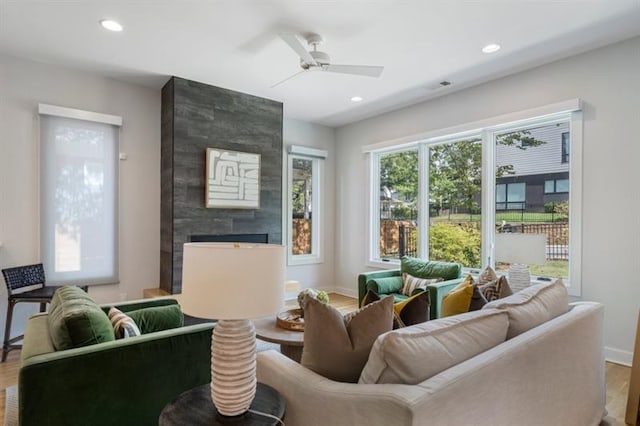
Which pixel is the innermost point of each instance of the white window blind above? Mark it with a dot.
(78, 196)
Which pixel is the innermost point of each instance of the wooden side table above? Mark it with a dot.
(290, 341)
(194, 407)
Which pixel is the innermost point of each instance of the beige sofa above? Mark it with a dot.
(550, 375)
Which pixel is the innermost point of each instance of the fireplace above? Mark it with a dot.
(230, 238)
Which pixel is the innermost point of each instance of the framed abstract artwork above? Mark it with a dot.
(232, 180)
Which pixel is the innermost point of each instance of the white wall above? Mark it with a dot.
(24, 84)
(608, 81)
(321, 275)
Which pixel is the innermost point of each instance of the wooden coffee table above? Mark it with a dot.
(290, 341)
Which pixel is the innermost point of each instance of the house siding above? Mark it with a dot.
(542, 159)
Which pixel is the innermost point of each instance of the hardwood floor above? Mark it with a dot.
(617, 375)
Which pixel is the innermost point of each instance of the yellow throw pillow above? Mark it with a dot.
(458, 300)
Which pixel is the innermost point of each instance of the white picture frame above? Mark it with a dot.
(232, 179)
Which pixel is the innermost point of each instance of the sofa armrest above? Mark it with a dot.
(313, 400)
(123, 382)
(365, 277)
(436, 292)
(386, 285)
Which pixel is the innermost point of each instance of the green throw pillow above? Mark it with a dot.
(430, 269)
(75, 320)
(157, 318)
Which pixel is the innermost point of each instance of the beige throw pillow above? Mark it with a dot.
(413, 354)
(410, 283)
(487, 275)
(496, 289)
(337, 347)
(533, 306)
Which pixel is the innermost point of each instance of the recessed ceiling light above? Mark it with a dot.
(356, 99)
(491, 48)
(111, 25)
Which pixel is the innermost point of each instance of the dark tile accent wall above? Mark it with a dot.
(196, 116)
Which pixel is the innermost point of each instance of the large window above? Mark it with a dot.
(305, 170)
(79, 195)
(430, 197)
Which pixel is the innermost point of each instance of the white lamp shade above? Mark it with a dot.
(232, 280)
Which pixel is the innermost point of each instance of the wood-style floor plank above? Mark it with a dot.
(617, 375)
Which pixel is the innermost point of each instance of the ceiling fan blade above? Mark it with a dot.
(366, 70)
(295, 44)
(287, 79)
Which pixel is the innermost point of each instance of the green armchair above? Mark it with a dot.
(389, 282)
(120, 382)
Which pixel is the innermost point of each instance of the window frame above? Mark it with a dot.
(568, 112)
(317, 158)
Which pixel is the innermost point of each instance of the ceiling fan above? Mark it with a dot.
(316, 60)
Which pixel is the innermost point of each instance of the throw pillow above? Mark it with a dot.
(122, 324)
(487, 275)
(413, 310)
(532, 306)
(369, 297)
(157, 318)
(337, 347)
(477, 299)
(496, 289)
(413, 354)
(430, 269)
(75, 320)
(458, 300)
(410, 283)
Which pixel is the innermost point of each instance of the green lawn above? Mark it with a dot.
(509, 217)
(551, 268)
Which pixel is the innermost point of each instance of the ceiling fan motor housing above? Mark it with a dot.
(320, 57)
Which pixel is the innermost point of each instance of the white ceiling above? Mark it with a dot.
(234, 43)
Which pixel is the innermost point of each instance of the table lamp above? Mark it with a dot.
(233, 283)
(520, 250)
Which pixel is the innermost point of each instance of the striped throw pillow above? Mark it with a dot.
(123, 325)
(410, 283)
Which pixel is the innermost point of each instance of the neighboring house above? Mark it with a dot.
(541, 173)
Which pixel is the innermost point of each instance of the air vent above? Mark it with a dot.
(438, 86)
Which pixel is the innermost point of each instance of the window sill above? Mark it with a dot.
(382, 264)
(304, 260)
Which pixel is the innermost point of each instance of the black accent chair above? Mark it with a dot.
(24, 284)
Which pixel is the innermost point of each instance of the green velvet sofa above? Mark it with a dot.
(389, 282)
(121, 382)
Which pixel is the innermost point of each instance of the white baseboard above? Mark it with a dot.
(346, 291)
(617, 356)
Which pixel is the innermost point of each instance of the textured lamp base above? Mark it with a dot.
(233, 366)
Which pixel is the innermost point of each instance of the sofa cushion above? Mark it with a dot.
(123, 325)
(430, 269)
(75, 320)
(337, 347)
(411, 355)
(496, 289)
(533, 306)
(157, 318)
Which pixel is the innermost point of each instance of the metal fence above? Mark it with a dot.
(400, 238)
